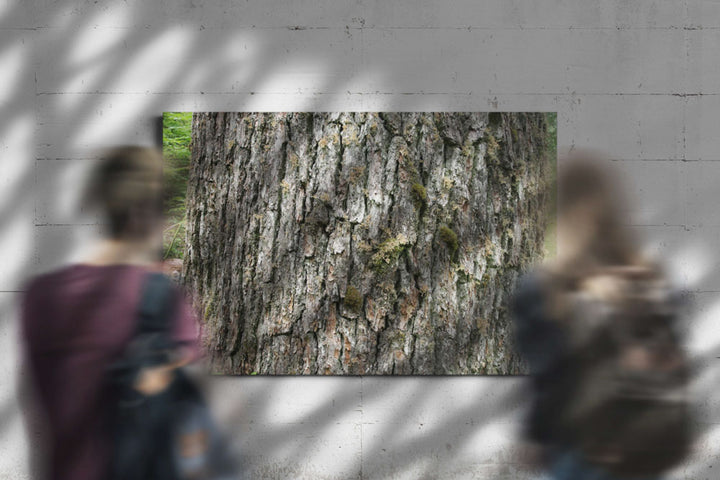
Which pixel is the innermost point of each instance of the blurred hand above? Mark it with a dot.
(153, 380)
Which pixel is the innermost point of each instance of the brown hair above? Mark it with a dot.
(589, 207)
(585, 181)
(127, 186)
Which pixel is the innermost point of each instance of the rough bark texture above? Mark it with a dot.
(363, 243)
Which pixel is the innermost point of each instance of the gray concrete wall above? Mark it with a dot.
(639, 79)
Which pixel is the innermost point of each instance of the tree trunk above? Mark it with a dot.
(363, 243)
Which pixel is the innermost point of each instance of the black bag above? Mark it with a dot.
(169, 435)
(627, 409)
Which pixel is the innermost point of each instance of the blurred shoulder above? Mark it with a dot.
(41, 283)
(532, 283)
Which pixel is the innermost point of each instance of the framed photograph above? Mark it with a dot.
(358, 243)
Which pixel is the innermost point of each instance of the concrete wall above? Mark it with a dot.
(639, 79)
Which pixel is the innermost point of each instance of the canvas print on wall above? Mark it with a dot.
(358, 243)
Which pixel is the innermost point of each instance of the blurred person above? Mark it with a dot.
(597, 327)
(79, 320)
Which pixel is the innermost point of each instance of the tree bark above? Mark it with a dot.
(363, 243)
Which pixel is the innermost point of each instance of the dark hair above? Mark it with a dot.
(127, 186)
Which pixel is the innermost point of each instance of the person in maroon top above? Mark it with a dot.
(77, 321)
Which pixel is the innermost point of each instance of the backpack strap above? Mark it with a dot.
(156, 305)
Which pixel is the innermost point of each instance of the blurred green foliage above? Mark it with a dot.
(552, 134)
(177, 130)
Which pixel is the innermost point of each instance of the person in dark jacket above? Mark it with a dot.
(590, 238)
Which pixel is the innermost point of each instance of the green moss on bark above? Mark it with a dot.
(353, 299)
(449, 237)
(419, 194)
